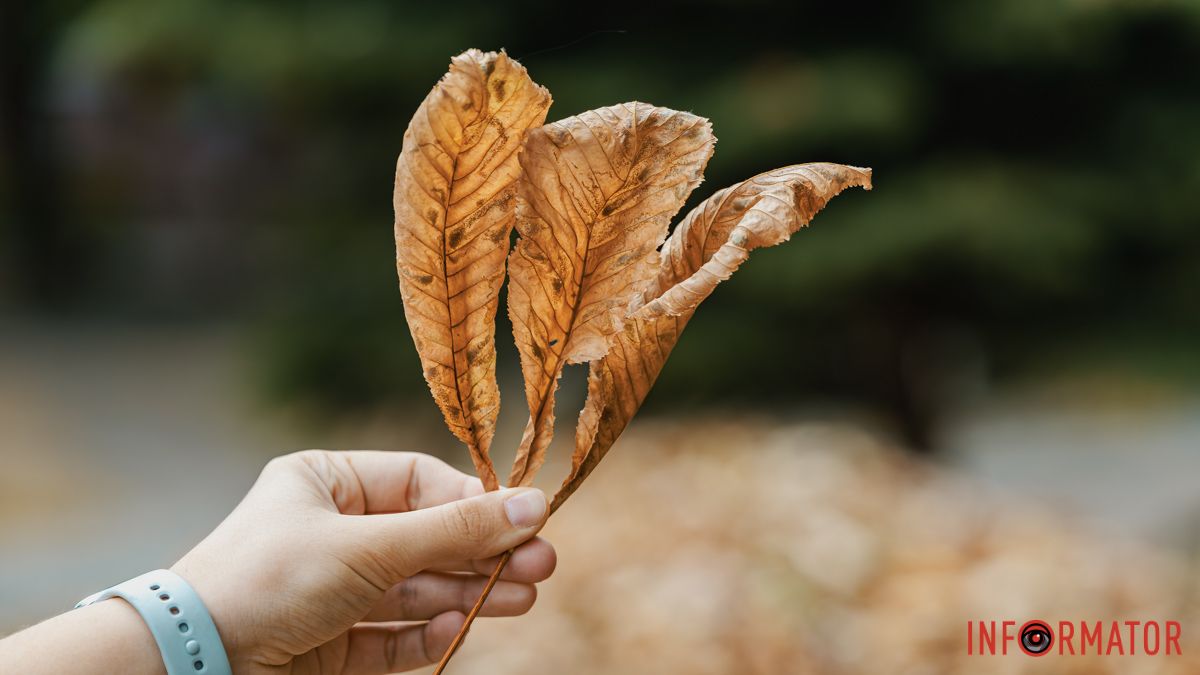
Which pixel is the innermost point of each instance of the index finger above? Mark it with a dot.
(364, 482)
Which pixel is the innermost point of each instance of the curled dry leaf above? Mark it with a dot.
(706, 248)
(454, 201)
(594, 201)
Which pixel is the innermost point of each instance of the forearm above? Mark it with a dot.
(104, 638)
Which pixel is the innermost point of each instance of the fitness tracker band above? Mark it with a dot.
(186, 635)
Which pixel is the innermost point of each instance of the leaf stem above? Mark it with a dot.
(462, 632)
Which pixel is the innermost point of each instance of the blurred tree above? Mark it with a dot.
(1036, 200)
(40, 250)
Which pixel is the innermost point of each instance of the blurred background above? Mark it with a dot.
(196, 273)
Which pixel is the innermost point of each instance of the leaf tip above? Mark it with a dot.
(868, 174)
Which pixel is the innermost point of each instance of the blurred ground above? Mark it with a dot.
(700, 546)
(741, 547)
(120, 446)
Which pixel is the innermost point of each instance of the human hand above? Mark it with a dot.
(311, 572)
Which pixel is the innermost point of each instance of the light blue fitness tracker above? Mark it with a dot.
(186, 635)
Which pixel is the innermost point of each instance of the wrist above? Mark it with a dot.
(180, 623)
(127, 628)
(224, 614)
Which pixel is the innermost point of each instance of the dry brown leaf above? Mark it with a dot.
(594, 202)
(710, 243)
(454, 201)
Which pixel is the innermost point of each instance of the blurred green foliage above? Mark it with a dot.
(1037, 170)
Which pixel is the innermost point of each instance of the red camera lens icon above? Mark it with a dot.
(1036, 638)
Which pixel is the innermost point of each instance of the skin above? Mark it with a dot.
(323, 568)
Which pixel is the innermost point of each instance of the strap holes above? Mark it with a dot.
(174, 610)
(155, 587)
(183, 627)
(198, 665)
(164, 597)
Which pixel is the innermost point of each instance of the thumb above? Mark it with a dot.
(406, 543)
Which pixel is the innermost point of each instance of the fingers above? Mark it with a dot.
(532, 562)
(381, 649)
(371, 481)
(428, 594)
(403, 544)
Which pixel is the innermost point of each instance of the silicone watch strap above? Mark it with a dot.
(186, 635)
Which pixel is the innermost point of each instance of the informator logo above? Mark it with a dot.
(1074, 638)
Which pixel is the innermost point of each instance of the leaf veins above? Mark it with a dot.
(455, 202)
(594, 202)
(704, 250)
